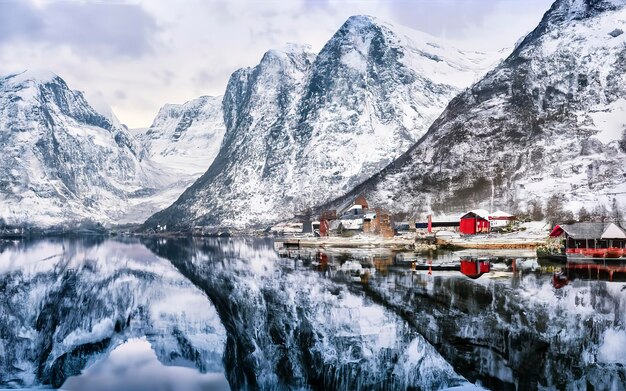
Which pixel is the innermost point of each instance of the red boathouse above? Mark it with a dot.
(475, 221)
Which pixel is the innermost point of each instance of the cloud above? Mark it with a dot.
(441, 17)
(98, 29)
(120, 95)
(19, 19)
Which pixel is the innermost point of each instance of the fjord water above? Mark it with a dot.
(231, 313)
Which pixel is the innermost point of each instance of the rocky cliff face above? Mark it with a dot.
(62, 160)
(301, 128)
(548, 120)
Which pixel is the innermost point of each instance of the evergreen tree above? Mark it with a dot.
(584, 215)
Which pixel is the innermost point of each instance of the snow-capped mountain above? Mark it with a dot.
(550, 119)
(62, 161)
(69, 159)
(186, 137)
(301, 128)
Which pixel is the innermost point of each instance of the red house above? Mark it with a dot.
(360, 200)
(475, 221)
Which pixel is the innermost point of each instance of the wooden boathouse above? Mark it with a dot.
(592, 240)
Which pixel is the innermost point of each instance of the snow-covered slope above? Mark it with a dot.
(550, 119)
(186, 137)
(301, 128)
(62, 161)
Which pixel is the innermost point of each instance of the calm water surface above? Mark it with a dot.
(218, 314)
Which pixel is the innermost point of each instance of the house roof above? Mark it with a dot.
(589, 231)
(349, 204)
(482, 213)
(499, 213)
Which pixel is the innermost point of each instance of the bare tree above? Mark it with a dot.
(535, 210)
(600, 213)
(555, 211)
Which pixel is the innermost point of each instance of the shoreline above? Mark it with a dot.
(410, 244)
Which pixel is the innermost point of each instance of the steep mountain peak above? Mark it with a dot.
(366, 43)
(186, 137)
(48, 94)
(32, 75)
(582, 9)
(361, 21)
(64, 159)
(361, 28)
(293, 48)
(548, 120)
(288, 55)
(563, 13)
(174, 110)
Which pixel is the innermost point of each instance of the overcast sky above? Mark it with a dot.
(141, 54)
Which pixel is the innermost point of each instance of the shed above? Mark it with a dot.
(350, 204)
(474, 221)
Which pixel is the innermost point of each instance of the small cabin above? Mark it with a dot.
(354, 210)
(474, 222)
(500, 219)
(598, 240)
(355, 206)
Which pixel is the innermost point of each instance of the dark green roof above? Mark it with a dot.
(593, 231)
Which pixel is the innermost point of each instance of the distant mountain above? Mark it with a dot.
(550, 119)
(63, 161)
(186, 137)
(302, 128)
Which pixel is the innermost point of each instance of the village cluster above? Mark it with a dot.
(356, 217)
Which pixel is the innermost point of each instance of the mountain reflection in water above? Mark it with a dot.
(220, 313)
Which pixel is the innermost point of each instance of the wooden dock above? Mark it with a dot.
(394, 244)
